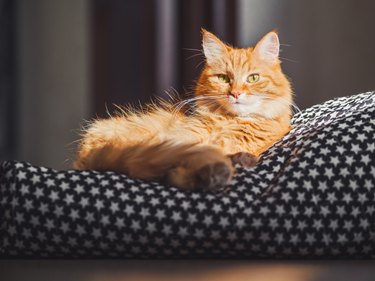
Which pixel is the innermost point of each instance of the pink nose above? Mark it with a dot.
(235, 94)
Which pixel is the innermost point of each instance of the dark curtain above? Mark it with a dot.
(7, 71)
(129, 39)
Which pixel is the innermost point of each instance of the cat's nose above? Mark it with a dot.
(236, 95)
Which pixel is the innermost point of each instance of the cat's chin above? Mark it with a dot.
(242, 110)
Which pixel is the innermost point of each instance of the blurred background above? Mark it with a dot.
(65, 61)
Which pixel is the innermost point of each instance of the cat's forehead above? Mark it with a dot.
(239, 55)
(240, 59)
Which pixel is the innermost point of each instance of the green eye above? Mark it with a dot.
(223, 78)
(252, 78)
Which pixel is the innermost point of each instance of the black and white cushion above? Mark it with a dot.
(312, 195)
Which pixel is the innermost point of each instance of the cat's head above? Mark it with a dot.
(244, 82)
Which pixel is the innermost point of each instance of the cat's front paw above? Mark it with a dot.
(205, 170)
(244, 159)
(213, 176)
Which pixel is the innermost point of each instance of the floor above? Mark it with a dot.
(11, 270)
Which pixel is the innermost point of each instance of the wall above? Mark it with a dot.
(53, 63)
(327, 50)
(327, 46)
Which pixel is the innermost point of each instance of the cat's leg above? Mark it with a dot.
(205, 168)
(187, 166)
(111, 146)
(244, 159)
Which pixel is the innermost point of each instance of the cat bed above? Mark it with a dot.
(312, 195)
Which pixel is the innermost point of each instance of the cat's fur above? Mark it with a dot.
(234, 120)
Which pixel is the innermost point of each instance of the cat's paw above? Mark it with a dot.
(213, 176)
(244, 159)
(206, 169)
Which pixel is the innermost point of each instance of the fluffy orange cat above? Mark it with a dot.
(243, 106)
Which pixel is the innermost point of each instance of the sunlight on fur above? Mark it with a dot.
(244, 106)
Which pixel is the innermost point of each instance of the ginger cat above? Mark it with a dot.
(243, 107)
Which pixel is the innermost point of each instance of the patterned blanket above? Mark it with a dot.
(312, 195)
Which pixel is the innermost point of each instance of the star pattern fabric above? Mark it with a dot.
(312, 195)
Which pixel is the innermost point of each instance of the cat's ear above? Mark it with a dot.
(213, 47)
(268, 48)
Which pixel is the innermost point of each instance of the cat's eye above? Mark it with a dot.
(223, 78)
(252, 78)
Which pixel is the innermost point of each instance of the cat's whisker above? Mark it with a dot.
(218, 109)
(294, 106)
(289, 60)
(179, 105)
(182, 104)
(201, 97)
(286, 102)
(212, 98)
(193, 56)
(199, 64)
(192, 49)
